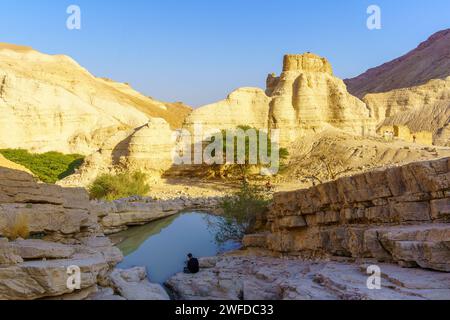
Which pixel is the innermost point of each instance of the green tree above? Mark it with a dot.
(244, 165)
(241, 212)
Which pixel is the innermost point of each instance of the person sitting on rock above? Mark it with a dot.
(192, 265)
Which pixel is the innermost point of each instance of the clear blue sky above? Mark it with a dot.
(197, 51)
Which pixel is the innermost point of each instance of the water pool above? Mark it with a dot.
(162, 246)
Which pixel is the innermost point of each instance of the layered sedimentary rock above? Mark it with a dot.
(50, 103)
(430, 60)
(118, 215)
(46, 208)
(308, 98)
(424, 108)
(70, 237)
(401, 215)
(133, 284)
(305, 98)
(148, 149)
(268, 278)
(151, 147)
(245, 106)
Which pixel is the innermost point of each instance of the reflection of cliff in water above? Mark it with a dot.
(130, 240)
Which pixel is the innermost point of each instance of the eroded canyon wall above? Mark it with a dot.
(400, 214)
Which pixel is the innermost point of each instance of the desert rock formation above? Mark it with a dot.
(245, 106)
(308, 98)
(430, 60)
(69, 235)
(252, 277)
(396, 215)
(50, 103)
(424, 108)
(148, 149)
(118, 215)
(320, 242)
(305, 98)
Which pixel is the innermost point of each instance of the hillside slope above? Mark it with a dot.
(430, 60)
(50, 103)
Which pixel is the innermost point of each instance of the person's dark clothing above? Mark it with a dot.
(192, 266)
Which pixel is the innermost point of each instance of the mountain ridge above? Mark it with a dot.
(414, 68)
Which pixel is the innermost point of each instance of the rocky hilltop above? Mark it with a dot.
(50, 103)
(430, 60)
(409, 96)
(305, 98)
(424, 108)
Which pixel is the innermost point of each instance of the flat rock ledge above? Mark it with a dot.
(64, 233)
(267, 278)
(118, 215)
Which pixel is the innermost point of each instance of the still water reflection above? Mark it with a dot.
(162, 245)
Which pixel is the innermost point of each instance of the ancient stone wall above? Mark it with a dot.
(401, 215)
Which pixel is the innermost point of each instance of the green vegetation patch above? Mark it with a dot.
(48, 167)
(122, 185)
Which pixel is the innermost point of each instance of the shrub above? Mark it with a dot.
(241, 211)
(112, 187)
(48, 167)
(17, 228)
(244, 168)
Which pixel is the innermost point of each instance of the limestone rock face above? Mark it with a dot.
(50, 103)
(47, 209)
(424, 108)
(430, 60)
(148, 149)
(245, 106)
(71, 236)
(151, 147)
(264, 278)
(398, 214)
(308, 98)
(305, 98)
(133, 285)
(118, 215)
(306, 63)
(38, 249)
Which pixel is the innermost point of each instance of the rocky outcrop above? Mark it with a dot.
(148, 149)
(133, 284)
(41, 269)
(151, 147)
(46, 209)
(265, 278)
(69, 237)
(120, 214)
(308, 98)
(305, 98)
(65, 108)
(430, 60)
(68, 232)
(245, 106)
(424, 108)
(400, 214)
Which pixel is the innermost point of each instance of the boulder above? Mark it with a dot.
(133, 284)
